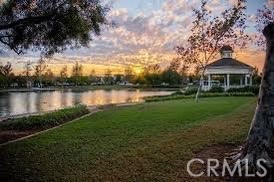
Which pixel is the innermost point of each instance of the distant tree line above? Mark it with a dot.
(40, 75)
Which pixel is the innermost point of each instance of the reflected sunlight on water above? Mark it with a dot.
(14, 103)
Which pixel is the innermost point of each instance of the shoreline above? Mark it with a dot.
(96, 87)
(91, 107)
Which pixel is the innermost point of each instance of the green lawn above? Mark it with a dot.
(148, 142)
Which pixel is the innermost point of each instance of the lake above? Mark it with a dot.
(16, 103)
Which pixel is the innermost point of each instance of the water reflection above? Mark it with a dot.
(14, 103)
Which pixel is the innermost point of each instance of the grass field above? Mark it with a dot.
(147, 142)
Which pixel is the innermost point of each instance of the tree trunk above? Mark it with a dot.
(200, 85)
(199, 89)
(259, 141)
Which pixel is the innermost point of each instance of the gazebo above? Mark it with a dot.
(227, 72)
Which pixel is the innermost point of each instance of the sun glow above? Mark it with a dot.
(138, 70)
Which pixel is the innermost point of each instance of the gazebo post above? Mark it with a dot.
(225, 83)
(228, 81)
(245, 80)
(251, 81)
(209, 81)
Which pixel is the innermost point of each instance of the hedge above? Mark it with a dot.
(44, 121)
(203, 94)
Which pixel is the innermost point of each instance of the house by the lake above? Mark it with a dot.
(227, 72)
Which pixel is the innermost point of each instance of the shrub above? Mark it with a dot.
(203, 94)
(216, 89)
(254, 89)
(178, 92)
(44, 121)
(191, 91)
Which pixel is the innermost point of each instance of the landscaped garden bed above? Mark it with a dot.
(19, 127)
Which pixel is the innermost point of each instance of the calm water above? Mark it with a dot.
(14, 103)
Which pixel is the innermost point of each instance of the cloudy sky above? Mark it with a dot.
(146, 32)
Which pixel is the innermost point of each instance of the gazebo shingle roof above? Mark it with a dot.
(229, 62)
(226, 48)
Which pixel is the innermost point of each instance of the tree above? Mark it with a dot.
(50, 26)
(92, 77)
(5, 73)
(209, 34)
(64, 75)
(129, 75)
(258, 144)
(77, 72)
(152, 74)
(49, 77)
(108, 79)
(171, 75)
(256, 76)
(40, 69)
(118, 78)
(27, 72)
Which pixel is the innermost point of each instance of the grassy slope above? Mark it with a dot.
(151, 141)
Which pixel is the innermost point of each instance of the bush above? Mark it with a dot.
(254, 89)
(216, 89)
(228, 94)
(191, 91)
(203, 94)
(178, 92)
(44, 121)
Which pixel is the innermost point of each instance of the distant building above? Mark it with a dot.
(227, 72)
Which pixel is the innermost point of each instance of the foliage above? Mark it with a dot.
(256, 77)
(77, 73)
(254, 89)
(108, 79)
(44, 121)
(27, 70)
(5, 74)
(40, 69)
(215, 89)
(191, 91)
(203, 95)
(50, 26)
(129, 75)
(264, 17)
(152, 75)
(171, 77)
(63, 75)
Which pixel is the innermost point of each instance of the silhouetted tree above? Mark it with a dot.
(27, 73)
(64, 75)
(50, 26)
(49, 77)
(152, 74)
(129, 75)
(77, 73)
(40, 69)
(92, 77)
(108, 79)
(5, 74)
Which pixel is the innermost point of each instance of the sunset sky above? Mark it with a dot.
(146, 32)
